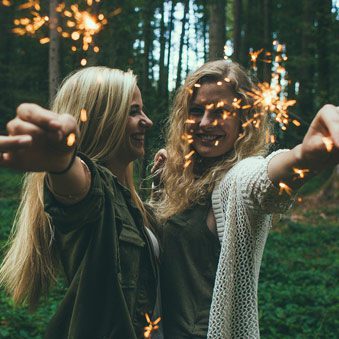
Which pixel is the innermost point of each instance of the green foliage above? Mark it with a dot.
(298, 290)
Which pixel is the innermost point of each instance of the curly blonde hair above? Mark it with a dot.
(182, 187)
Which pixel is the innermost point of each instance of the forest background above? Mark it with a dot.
(162, 41)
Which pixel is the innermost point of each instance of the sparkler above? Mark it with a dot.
(81, 25)
(151, 327)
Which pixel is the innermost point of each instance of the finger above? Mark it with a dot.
(39, 116)
(11, 143)
(20, 127)
(330, 117)
(68, 126)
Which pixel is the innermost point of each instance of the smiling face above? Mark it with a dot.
(137, 125)
(215, 129)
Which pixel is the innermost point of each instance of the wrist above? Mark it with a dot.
(67, 164)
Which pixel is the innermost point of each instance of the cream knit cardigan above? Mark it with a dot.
(243, 203)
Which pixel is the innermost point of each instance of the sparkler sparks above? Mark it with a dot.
(6, 3)
(328, 143)
(187, 163)
(151, 327)
(284, 188)
(76, 24)
(83, 115)
(300, 172)
(70, 140)
(187, 156)
(81, 25)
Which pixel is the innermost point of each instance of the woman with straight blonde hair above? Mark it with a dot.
(216, 198)
(79, 209)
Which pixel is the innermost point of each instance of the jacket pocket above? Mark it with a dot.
(130, 248)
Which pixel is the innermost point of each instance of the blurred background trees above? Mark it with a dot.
(162, 41)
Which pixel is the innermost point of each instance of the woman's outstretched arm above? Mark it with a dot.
(318, 151)
(41, 141)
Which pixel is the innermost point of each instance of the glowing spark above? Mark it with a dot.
(227, 80)
(236, 103)
(44, 41)
(70, 140)
(96, 49)
(151, 327)
(272, 139)
(225, 114)
(296, 122)
(220, 104)
(300, 172)
(215, 122)
(299, 199)
(187, 156)
(197, 85)
(219, 83)
(190, 121)
(187, 137)
(6, 3)
(284, 188)
(216, 143)
(246, 106)
(209, 106)
(187, 163)
(328, 143)
(75, 36)
(83, 62)
(83, 115)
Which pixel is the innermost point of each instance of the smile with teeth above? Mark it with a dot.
(139, 137)
(208, 137)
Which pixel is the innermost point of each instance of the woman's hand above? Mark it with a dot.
(159, 160)
(39, 140)
(319, 150)
(320, 147)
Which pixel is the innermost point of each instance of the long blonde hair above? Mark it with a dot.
(31, 262)
(181, 187)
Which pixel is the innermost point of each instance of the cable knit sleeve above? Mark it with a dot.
(257, 189)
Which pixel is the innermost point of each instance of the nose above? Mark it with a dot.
(206, 120)
(145, 121)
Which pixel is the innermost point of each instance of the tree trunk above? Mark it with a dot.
(237, 14)
(181, 46)
(306, 78)
(54, 53)
(323, 12)
(267, 38)
(217, 28)
(162, 67)
(148, 44)
(169, 45)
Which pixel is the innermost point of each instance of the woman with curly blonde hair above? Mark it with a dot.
(80, 213)
(218, 192)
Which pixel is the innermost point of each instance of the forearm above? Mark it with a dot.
(71, 186)
(289, 168)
